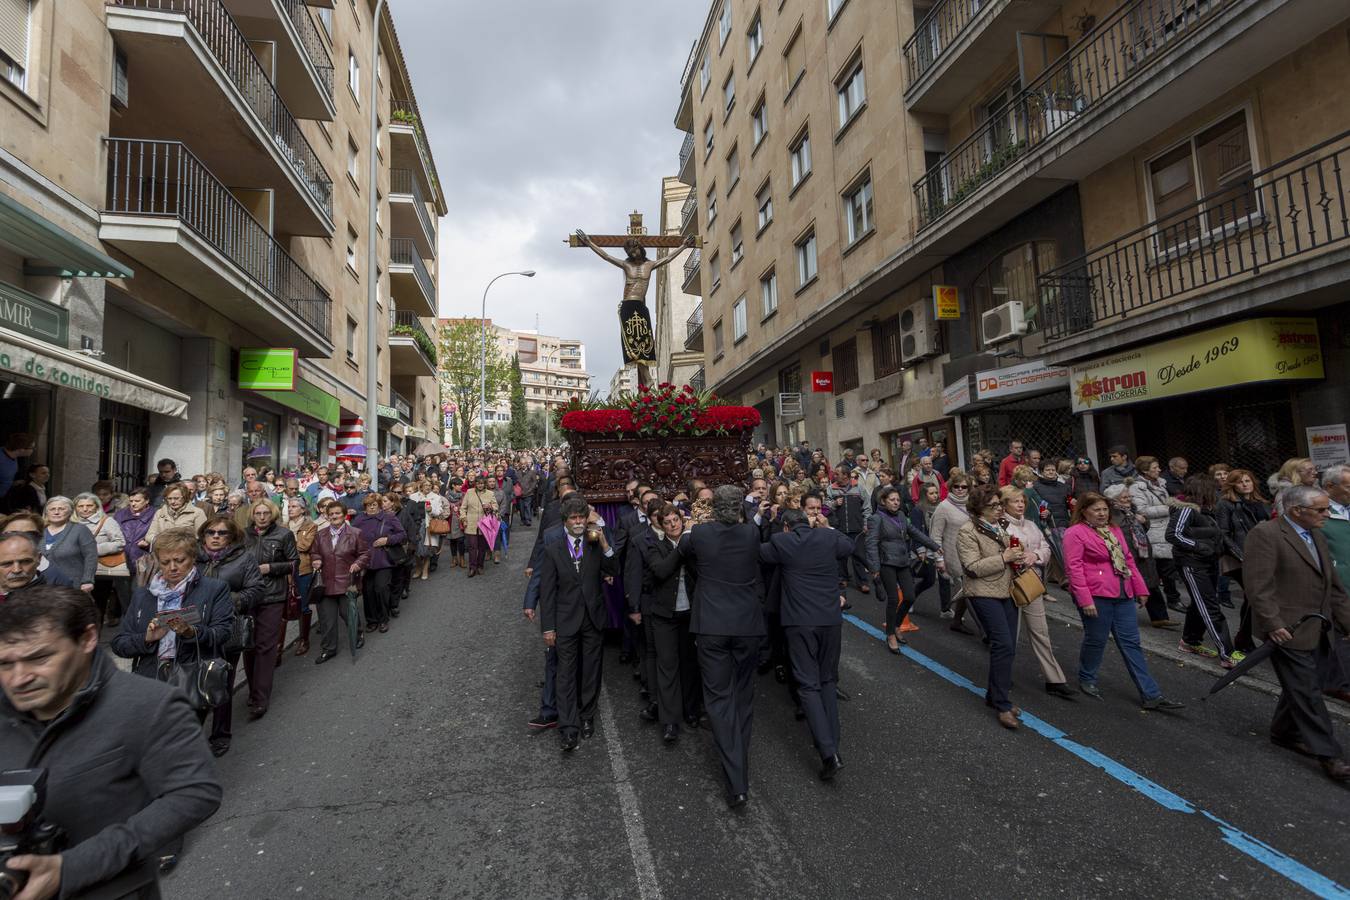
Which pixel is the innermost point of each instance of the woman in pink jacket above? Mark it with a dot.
(1107, 586)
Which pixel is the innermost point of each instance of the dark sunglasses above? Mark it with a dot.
(215, 532)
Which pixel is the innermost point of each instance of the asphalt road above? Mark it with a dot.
(410, 774)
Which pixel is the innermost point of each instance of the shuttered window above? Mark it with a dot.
(845, 359)
(14, 16)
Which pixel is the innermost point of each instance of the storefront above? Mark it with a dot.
(286, 418)
(1027, 402)
(942, 430)
(1226, 394)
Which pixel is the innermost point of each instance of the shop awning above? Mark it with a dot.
(50, 364)
(51, 250)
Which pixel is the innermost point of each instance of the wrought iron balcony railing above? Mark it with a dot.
(699, 380)
(691, 265)
(686, 151)
(935, 33)
(1295, 208)
(1118, 51)
(405, 113)
(401, 181)
(218, 31)
(406, 323)
(403, 252)
(163, 178)
(310, 42)
(694, 326)
(688, 211)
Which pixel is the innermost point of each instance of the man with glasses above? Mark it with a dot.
(1289, 574)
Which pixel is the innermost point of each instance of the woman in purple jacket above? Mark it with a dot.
(135, 519)
(381, 530)
(1106, 586)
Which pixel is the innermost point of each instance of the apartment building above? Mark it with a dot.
(623, 381)
(552, 370)
(677, 317)
(185, 247)
(1081, 224)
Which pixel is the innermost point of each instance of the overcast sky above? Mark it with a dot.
(545, 116)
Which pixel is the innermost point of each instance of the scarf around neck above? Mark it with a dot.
(167, 597)
(1108, 536)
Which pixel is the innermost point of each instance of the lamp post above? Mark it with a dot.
(482, 368)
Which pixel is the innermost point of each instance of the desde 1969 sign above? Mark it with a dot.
(1247, 352)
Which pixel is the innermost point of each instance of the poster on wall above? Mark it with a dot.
(1327, 445)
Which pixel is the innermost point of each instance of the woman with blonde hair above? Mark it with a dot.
(178, 513)
(438, 510)
(1032, 616)
(69, 548)
(302, 525)
(112, 578)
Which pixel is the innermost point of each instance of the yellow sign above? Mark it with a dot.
(946, 301)
(1238, 353)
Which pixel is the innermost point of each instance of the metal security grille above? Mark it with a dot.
(1042, 423)
(123, 434)
(1255, 431)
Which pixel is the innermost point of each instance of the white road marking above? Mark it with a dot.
(644, 867)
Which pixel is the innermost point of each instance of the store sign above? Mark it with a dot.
(1253, 351)
(822, 382)
(33, 316)
(1029, 378)
(268, 368)
(22, 355)
(312, 401)
(956, 396)
(946, 301)
(1327, 445)
(385, 412)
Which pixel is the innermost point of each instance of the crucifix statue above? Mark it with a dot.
(635, 324)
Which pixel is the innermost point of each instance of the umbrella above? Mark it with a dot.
(353, 451)
(260, 452)
(488, 526)
(353, 618)
(426, 448)
(1259, 655)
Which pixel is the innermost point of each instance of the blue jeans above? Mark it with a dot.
(302, 584)
(526, 504)
(1115, 618)
(504, 535)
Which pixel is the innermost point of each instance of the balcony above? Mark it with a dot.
(165, 209)
(408, 145)
(412, 285)
(684, 113)
(408, 209)
(303, 69)
(693, 335)
(686, 169)
(699, 380)
(1284, 224)
(948, 55)
(411, 349)
(691, 273)
(193, 77)
(689, 215)
(1143, 68)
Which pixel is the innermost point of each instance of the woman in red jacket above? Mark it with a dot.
(338, 554)
(1107, 585)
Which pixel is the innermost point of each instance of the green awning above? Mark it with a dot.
(51, 250)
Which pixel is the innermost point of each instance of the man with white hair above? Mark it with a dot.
(1336, 482)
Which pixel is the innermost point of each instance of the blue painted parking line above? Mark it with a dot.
(1312, 881)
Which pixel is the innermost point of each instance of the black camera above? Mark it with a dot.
(22, 831)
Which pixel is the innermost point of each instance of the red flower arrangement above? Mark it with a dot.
(663, 411)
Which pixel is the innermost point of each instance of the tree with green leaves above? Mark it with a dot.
(460, 345)
(518, 435)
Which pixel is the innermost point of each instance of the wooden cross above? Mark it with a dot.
(635, 230)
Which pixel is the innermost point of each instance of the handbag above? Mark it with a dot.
(206, 682)
(111, 560)
(438, 526)
(291, 612)
(1228, 564)
(397, 554)
(1027, 587)
(241, 634)
(516, 491)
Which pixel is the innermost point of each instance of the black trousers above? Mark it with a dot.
(852, 568)
(814, 650)
(676, 683)
(331, 609)
(1205, 614)
(579, 658)
(1157, 601)
(897, 592)
(728, 665)
(1167, 578)
(1301, 713)
(375, 591)
(399, 581)
(647, 657)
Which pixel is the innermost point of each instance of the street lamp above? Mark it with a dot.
(482, 369)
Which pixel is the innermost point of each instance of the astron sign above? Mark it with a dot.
(1112, 388)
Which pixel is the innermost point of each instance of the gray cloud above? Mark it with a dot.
(544, 117)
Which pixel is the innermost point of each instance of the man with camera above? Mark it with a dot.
(127, 769)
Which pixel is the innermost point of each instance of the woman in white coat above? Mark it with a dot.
(948, 517)
(1149, 494)
(438, 508)
(1032, 616)
(112, 583)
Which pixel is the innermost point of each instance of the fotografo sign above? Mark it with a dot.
(1247, 352)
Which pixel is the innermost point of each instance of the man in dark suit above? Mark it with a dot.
(666, 586)
(572, 616)
(808, 561)
(1289, 573)
(547, 534)
(728, 617)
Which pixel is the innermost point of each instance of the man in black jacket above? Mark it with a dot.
(572, 616)
(127, 769)
(728, 617)
(808, 560)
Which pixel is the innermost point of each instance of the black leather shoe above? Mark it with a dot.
(1060, 689)
(1298, 747)
(568, 741)
(394, 612)
(780, 674)
(220, 746)
(830, 766)
(691, 721)
(670, 734)
(168, 863)
(324, 657)
(648, 713)
(1162, 703)
(735, 801)
(587, 728)
(1090, 689)
(543, 723)
(360, 642)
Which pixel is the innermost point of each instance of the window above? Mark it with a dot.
(353, 161)
(704, 74)
(768, 294)
(760, 122)
(737, 244)
(718, 342)
(754, 38)
(729, 93)
(1213, 164)
(715, 272)
(832, 8)
(379, 210)
(733, 168)
(379, 288)
(800, 151)
(1012, 277)
(351, 339)
(724, 24)
(806, 258)
(790, 379)
(15, 33)
(858, 222)
(354, 75)
(852, 92)
(738, 324)
(708, 139)
(712, 204)
(845, 361)
(764, 203)
(886, 347)
(351, 249)
(325, 19)
(379, 136)
(795, 61)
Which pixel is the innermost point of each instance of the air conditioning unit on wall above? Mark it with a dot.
(1003, 323)
(918, 333)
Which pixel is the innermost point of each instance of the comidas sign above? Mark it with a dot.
(268, 368)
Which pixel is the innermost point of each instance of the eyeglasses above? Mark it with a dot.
(1318, 510)
(214, 532)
